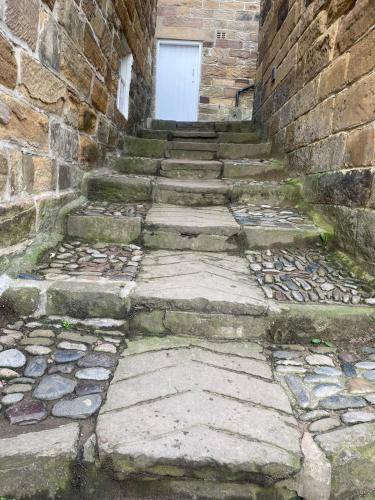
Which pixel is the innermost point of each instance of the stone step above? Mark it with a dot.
(230, 151)
(238, 137)
(223, 126)
(192, 192)
(207, 229)
(199, 282)
(254, 169)
(119, 188)
(145, 148)
(134, 165)
(223, 416)
(190, 169)
(114, 223)
(258, 192)
(192, 150)
(267, 226)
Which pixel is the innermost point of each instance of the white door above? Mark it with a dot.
(177, 80)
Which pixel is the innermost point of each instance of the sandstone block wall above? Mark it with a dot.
(59, 64)
(228, 64)
(316, 100)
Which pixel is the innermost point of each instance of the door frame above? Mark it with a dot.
(171, 41)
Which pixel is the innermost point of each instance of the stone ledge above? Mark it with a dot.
(38, 463)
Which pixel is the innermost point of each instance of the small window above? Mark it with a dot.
(220, 35)
(124, 85)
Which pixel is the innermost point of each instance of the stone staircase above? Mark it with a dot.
(192, 241)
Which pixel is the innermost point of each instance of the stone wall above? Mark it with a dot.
(228, 64)
(316, 100)
(59, 64)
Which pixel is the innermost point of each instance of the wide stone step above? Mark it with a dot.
(232, 151)
(221, 414)
(266, 226)
(200, 282)
(172, 227)
(191, 192)
(257, 169)
(134, 165)
(190, 169)
(119, 188)
(192, 150)
(259, 192)
(103, 222)
(223, 126)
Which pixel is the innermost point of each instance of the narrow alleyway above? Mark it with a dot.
(201, 312)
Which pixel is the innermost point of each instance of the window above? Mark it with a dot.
(220, 35)
(124, 85)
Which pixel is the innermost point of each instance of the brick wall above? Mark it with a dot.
(59, 63)
(316, 100)
(227, 64)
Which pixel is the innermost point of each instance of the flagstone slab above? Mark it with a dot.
(175, 408)
(38, 464)
(200, 282)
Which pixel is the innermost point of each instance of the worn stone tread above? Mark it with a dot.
(198, 281)
(194, 220)
(168, 408)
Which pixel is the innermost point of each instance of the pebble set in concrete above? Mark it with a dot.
(306, 276)
(114, 209)
(330, 388)
(46, 369)
(270, 216)
(91, 261)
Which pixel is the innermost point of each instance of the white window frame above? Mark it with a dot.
(124, 81)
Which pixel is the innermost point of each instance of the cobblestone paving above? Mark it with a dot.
(306, 276)
(91, 261)
(330, 387)
(46, 369)
(270, 216)
(114, 209)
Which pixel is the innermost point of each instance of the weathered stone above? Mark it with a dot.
(26, 125)
(325, 390)
(74, 67)
(88, 300)
(89, 387)
(38, 350)
(101, 228)
(41, 85)
(54, 387)
(356, 417)
(319, 359)
(22, 17)
(64, 141)
(12, 358)
(93, 374)
(36, 367)
(79, 408)
(360, 386)
(314, 480)
(350, 451)
(298, 390)
(94, 360)
(174, 286)
(119, 188)
(342, 402)
(8, 76)
(49, 44)
(47, 453)
(176, 403)
(27, 412)
(325, 424)
(11, 399)
(65, 356)
(19, 387)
